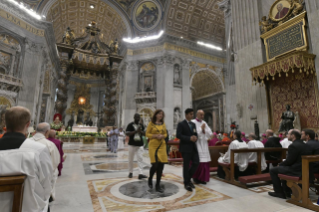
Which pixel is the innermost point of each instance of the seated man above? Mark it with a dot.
(254, 144)
(240, 159)
(308, 136)
(43, 130)
(291, 166)
(17, 122)
(58, 145)
(272, 142)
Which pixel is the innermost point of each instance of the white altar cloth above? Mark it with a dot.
(84, 129)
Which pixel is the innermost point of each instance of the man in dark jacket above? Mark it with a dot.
(186, 133)
(308, 136)
(291, 166)
(272, 142)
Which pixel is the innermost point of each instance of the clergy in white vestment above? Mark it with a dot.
(254, 144)
(285, 143)
(241, 159)
(204, 134)
(19, 155)
(121, 139)
(43, 131)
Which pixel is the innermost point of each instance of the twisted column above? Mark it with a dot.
(110, 99)
(60, 104)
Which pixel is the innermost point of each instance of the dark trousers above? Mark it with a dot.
(189, 170)
(280, 186)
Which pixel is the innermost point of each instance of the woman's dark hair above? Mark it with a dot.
(155, 114)
(238, 136)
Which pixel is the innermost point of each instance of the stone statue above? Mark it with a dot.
(177, 74)
(177, 116)
(68, 36)
(114, 47)
(296, 123)
(287, 119)
(297, 7)
(265, 25)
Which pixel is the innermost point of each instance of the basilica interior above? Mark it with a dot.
(85, 66)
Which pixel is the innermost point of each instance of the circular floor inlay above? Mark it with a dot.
(140, 189)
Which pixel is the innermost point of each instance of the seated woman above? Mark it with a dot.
(241, 159)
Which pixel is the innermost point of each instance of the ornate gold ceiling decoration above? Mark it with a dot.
(205, 83)
(196, 20)
(77, 14)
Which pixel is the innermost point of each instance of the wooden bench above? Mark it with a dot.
(15, 184)
(214, 155)
(229, 168)
(300, 196)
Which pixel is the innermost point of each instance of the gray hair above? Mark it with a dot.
(43, 127)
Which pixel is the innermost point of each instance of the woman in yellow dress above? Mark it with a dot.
(156, 132)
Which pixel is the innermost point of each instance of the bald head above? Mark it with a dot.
(17, 119)
(269, 133)
(44, 128)
(200, 114)
(252, 136)
(52, 134)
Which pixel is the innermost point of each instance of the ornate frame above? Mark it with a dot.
(273, 7)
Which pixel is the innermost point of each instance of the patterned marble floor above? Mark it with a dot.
(112, 191)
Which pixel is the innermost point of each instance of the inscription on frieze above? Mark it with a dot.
(285, 41)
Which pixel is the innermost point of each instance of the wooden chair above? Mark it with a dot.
(214, 155)
(15, 184)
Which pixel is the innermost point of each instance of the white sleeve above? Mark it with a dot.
(55, 155)
(47, 170)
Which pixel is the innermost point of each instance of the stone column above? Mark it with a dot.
(186, 92)
(110, 97)
(60, 104)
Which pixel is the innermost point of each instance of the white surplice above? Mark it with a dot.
(121, 138)
(202, 141)
(33, 160)
(252, 157)
(285, 143)
(241, 159)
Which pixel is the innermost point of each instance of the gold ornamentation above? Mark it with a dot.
(265, 25)
(68, 36)
(284, 64)
(5, 101)
(297, 7)
(85, 92)
(280, 40)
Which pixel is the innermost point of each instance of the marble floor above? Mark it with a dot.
(106, 188)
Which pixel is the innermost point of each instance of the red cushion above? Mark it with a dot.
(213, 169)
(317, 175)
(287, 177)
(254, 178)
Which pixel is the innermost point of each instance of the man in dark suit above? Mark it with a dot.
(186, 133)
(308, 136)
(272, 142)
(291, 166)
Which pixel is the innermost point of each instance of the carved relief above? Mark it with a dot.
(147, 77)
(10, 41)
(5, 60)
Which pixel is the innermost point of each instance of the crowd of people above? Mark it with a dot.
(40, 157)
(44, 154)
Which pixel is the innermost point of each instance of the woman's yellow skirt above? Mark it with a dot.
(157, 153)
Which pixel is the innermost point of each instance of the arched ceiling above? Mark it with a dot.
(205, 83)
(196, 20)
(77, 14)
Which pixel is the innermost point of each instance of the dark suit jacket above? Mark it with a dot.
(184, 133)
(273, 142)
(293, 161)
(314, 145)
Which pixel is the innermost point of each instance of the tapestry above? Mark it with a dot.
(300, 91)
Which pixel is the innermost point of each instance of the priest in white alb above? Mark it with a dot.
(254, 144)
(201, 175)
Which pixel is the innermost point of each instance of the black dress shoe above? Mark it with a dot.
(196, 181)
(159, 189)
(202, 182)
(150, 183)
(141, 176)
(288, 195)
(191, 185)
(278, 195)
(130, 175)
(188, 188)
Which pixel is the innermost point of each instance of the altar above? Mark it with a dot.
(82, 129)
